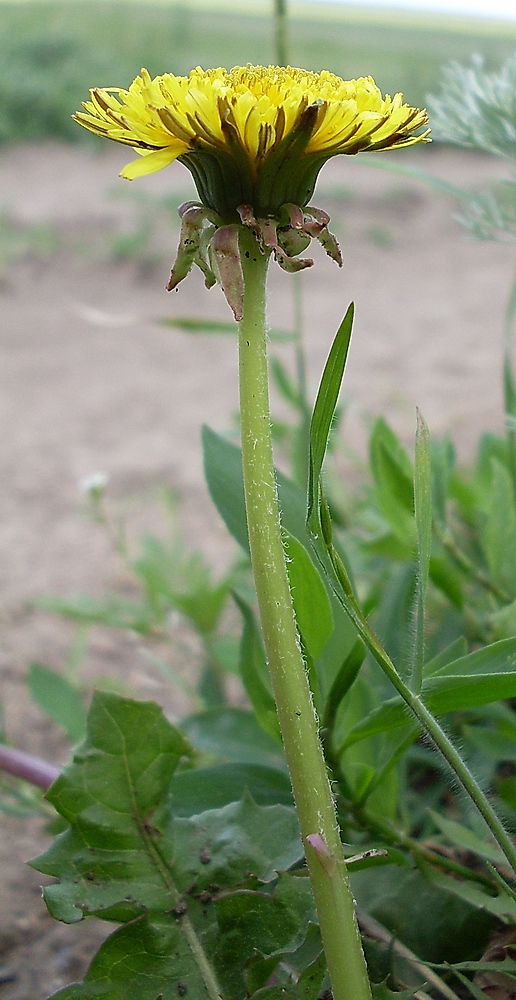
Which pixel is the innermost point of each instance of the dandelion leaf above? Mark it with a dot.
(172, 883)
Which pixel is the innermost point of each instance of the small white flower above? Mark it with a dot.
(94, 483)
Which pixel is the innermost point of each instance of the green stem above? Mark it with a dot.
(365, 820)
(345, 594)
(431, 726)
(392, 835)
(459, 767)
(311, 788)
(280, 31)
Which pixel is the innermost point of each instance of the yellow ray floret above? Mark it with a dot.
(252, 136)
(169, 116)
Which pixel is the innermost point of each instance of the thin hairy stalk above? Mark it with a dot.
(299, 727)
(361, 819)
(397, 838)
(345, 594)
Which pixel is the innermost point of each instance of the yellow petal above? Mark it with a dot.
(149, 163)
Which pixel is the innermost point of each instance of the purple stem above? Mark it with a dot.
(24, 765)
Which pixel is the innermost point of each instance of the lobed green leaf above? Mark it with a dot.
(188, 890)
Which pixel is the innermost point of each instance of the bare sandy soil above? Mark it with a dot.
(90, 382)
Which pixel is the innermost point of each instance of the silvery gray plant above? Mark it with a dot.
(477, 109)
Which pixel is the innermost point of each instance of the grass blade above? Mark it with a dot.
(423, 516)
(324, 410)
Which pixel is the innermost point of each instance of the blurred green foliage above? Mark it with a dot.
(52, 52)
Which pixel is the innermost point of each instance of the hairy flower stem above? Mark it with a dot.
(311, 788)
(429, 723)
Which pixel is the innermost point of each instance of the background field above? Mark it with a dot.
(51, 53)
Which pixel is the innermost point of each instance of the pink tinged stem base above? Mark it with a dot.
(23, 765)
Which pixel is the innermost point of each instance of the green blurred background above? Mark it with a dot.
(52, 52)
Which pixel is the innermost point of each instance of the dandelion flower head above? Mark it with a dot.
(252, 135)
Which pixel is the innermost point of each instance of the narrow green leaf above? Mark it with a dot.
(507, 966)
(223, 471)
(171, 579)
(500, 529)
(59, 699)
(394, 746)
(509, 384)
(498, 657)
(423, 516)
(342, 682)
(223, 474)
(452, 694)
(324, 410)
(309, 596)
(217, 327)
(504, 622)
(416, 173)
(254, 672)
(493, 745)
(474, 991)
(285, 384)
(393, 619)
(445, 575)
(423, 502)
(460, 836)
(457, 650)
(443, 463)
(499, 904)
(441, 694)
(510, 311)
(391, 466)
